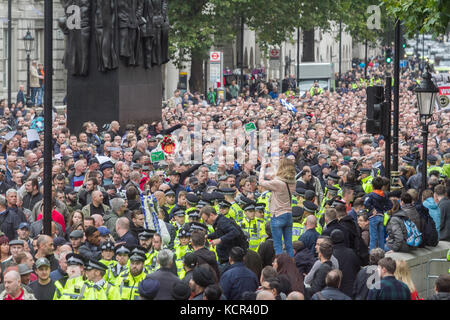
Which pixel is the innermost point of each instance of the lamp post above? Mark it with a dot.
(426, 94)
(28, 41)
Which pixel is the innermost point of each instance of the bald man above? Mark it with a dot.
(295, 295)
(96, 206)
(13, 289)
(265, 295)
(124, 234)
(309, 237)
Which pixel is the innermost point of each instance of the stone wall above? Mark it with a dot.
(417, 261)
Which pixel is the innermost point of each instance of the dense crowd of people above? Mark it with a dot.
(313, 217)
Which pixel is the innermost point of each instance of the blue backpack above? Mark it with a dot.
(413, 236)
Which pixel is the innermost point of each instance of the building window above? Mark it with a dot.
(38, 52)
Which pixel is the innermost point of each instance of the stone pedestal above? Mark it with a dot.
(128, 94)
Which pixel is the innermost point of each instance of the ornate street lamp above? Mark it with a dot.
(28, 42)
(426, 93)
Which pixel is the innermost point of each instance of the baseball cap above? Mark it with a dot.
(42, 262)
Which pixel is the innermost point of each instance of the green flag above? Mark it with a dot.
(157, 156)
(250, 127)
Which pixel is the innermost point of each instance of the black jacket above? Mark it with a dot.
(91, 252)
(349, 264)
(229, 233)
(360, 288)
(205, 256)
(267, 252)
(318, 282)
(9, 223)
(166, 279)
(29, 200)
(304, 260)
(332, 225)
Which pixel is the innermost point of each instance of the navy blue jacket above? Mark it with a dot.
(236, 280)
(377, 202)
(130, 241)
(309, 238)
(228, 233)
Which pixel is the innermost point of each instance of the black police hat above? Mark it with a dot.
(146, 234)
(260, 206)
(75, 259)
(333, 189)
(107, 245)
(194, 214)
(93, 264)
(224, 204)
(192, 199)
(138, 254)
(227, 191)
(202, 204)
(122, 249)
(309, 206)
(336, 203)
(249, 207)
(169, 192)
(198, 226)
(297, 211)
(179, 213)
(184, 233)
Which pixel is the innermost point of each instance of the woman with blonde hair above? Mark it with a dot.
(281, 187)
(403, 274)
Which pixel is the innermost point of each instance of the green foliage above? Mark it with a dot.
(423, 16)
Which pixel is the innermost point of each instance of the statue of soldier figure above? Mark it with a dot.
(160, 48)
(76, 56)
(105, 19)
(147, 33)
(128, 12)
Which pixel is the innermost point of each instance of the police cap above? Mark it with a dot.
(333, 176)
(74, 259)
(184, 233)
(309, 206)
(170, 192)
(107, 245)
(192, 199)
(260, 206)
(122, 249)
(179, 213)
(146, 234)
(194, 214)
(365, 171)
(198, 226)
(224, 204)
(297, 211)
(249, 207)
(299, 191)
(93, 264)
(227, 191)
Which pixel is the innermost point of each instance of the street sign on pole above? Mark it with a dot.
(216, 69)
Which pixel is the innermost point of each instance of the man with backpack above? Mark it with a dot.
(403, 233)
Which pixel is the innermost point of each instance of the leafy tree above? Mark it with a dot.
(424, 16)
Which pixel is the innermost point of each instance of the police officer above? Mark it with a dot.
(107, 249)
(260, 211)
(76, 238)
(75, 287)
(181, 249)
(297, 213)
(252, 227)
(264, 198)
(170, 200)
(333, 180)
(128, 281)
(180, 218)
(224, 208)
(330, 193)
(191, 202)
(122, 258)
(99, 288)
(366, 179)
(236, 212)
(309, 208)
(432, 160)
(298, 195)
(145, 238)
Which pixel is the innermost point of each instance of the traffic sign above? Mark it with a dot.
(274, 53)
(215, 56)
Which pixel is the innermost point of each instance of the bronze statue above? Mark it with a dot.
(147, 33)
(76, 56)
(129, 37)
(158, 21)
(105, 35)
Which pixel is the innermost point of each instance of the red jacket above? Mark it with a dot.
(57, 217)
